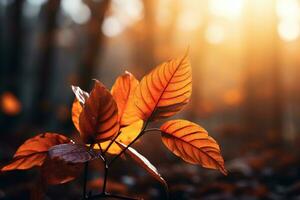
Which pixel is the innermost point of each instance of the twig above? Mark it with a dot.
(105, 177)
(101, 150)
(152, 130)
(112, 141)
(107, 195)
(133, 141)
(86, 165)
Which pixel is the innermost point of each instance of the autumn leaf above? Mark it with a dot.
(144, 163)
(98, 120)
(34, 151)
(80, 94)
(72, 153)
(56, 171)
(192, 143)
(76, 110)
(128, 134)
(81, 97)
(123, 93)
(165, 90)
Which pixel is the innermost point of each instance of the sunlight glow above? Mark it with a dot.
(77, 10)
(289, 30)
(112, 27)
(288, 9)
(288, 12)
(127, 12)
(215, 33)
(230, 9)
(163, 16)
(190, 17)
(188, 21)
(123, 14)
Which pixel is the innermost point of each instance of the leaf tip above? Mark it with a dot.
(127, 72)
(224, 171)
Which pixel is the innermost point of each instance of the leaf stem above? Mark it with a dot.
(105, 177)
(152, 130)
(133, 141)
(112, 141)
(86, 165)
(107, 195)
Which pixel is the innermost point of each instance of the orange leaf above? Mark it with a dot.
(34, 151)
(193, 144)
(144, 163)
(165, 90)
(76, 110)
(123, 93)
(81, 97)
(128, 134)
(98, 120)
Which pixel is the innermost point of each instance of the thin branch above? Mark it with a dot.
(112, 141)
(86, 165)
(107, 195)
(133, 141)
(101, 150)
(152, 130)
(105, 177)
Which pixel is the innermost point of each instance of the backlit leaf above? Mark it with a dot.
(98, 120)
(165, 90)
(72, 153)
(128, 134)
(34, 151)
(123, 93)
(76, 110)
(192, 143)
(144, 163)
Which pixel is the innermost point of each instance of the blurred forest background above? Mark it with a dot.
(246, 68)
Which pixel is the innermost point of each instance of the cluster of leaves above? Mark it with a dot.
(109, 122)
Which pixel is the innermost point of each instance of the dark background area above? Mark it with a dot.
(246, 91)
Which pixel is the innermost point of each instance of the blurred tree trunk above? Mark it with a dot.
(263, 87)
(15, 31)
(94, 41)
(45, 60)
(11, 67)
(196, 105)
(144, 39)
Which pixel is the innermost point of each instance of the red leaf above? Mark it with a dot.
(98, 120)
